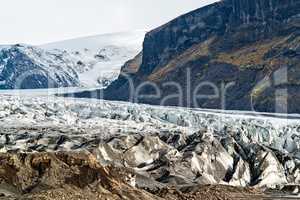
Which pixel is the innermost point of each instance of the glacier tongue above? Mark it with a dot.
(171, 145)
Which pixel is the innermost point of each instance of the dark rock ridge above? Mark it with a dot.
(220, 19)
(253, 45)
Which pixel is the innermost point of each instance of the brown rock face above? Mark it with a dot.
(63, 176)
(78, 176)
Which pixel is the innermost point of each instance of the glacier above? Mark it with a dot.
(169, 145)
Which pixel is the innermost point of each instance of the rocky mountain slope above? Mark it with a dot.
(163, 146)
(252, 46)
(84, 62)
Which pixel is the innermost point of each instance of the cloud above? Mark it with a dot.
(37, 22)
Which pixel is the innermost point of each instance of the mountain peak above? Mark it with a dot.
(240, 41)
(93, 61)
(263, 18)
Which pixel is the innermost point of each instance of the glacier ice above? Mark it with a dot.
(169, 144)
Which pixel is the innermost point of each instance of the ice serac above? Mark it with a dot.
(165, 146)
(253, 44)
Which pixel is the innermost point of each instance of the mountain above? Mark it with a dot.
(250, 48)
(25, 67)
(83, 62)
(101, 57)
(162, 147)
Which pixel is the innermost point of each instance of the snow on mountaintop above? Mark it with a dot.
(27, 67)
(94, 43)
(84, 62)
(101, 57)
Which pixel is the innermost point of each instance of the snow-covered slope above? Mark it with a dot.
(94, 43)
(26, 67)
(171, 145)
(84, 62)
(101, 57)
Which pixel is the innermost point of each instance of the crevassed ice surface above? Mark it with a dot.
(277, 131)
(191, 145)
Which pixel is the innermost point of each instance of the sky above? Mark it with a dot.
(42, 21)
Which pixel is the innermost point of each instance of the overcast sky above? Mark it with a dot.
(43, 21)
